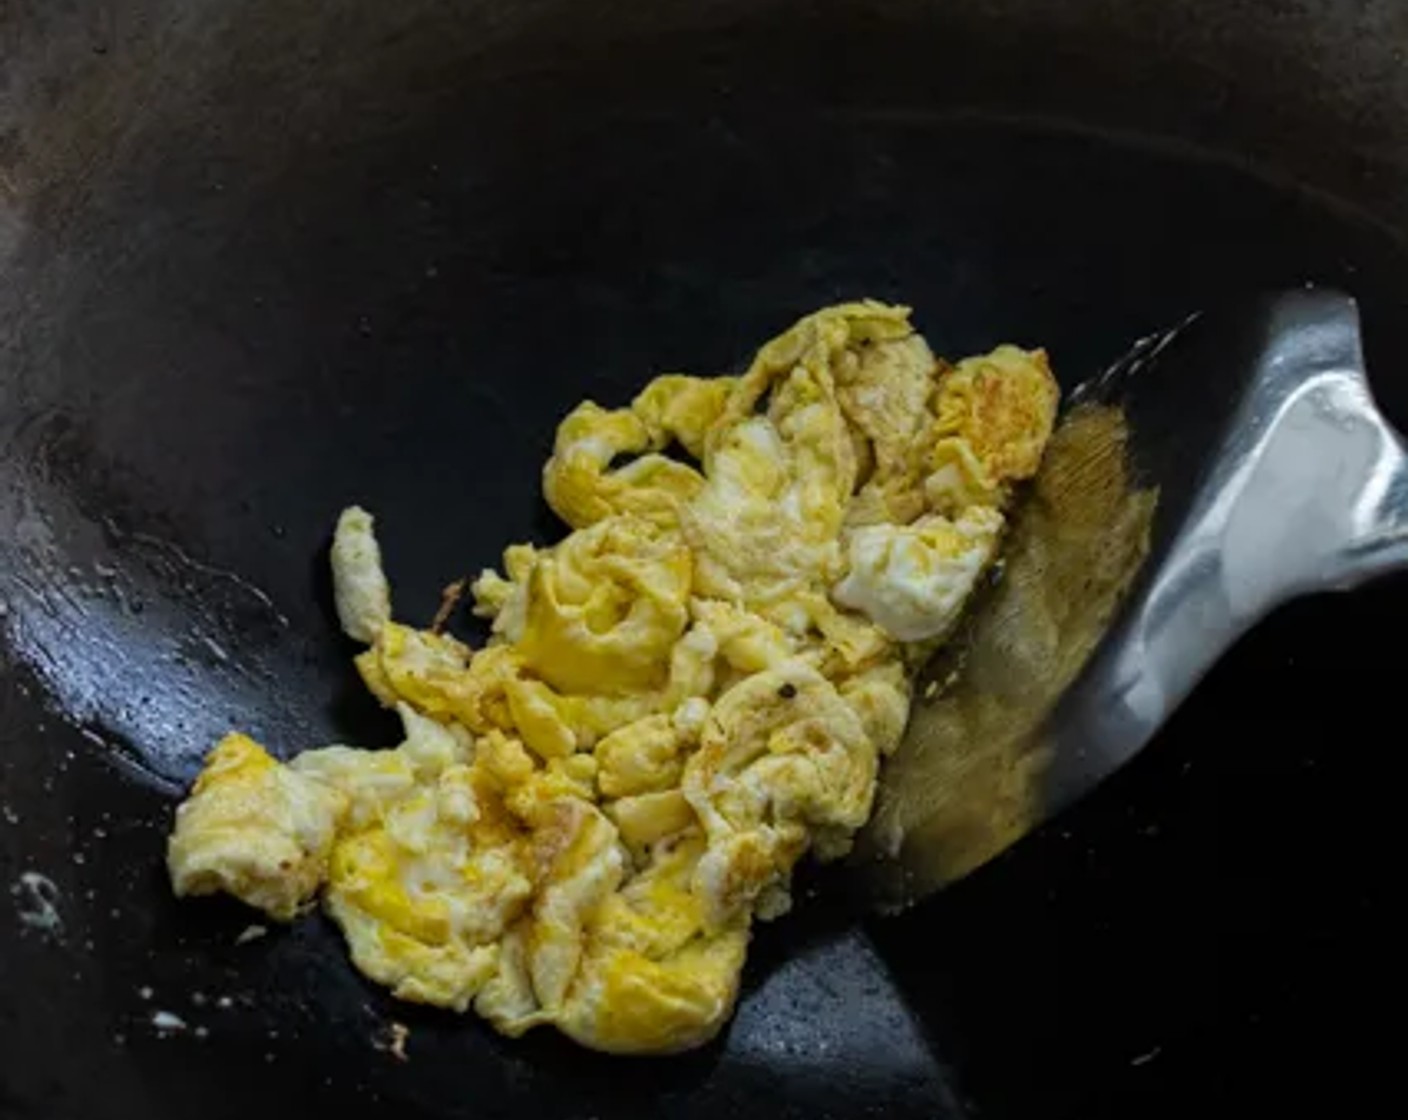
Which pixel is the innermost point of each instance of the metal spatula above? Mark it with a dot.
(1218, 470)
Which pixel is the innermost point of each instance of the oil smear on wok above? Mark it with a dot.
(693, 689)
(970, 781)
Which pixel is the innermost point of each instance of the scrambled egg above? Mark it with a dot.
(680, 699)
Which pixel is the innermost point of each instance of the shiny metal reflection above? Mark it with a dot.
(1250, 441)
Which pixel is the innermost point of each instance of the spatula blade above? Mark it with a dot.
(1215, 471)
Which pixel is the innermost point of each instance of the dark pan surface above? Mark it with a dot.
(249, 319)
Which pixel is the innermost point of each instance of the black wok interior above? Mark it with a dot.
(259, 260)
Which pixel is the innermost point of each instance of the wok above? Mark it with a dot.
(259, 259)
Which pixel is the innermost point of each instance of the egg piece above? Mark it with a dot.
(605, 608)
(489, 690)
(420, 908)
(428, 871)
(683, 409)
(749, 527)
(885, 389)
(850, 640)
(594, 716)
(692, 664)
(645, 818)
(630, 1004)
(780, 467)
(582, 486)
(537, 717)
(507, 999)
(360, 590)
(654, 979)
(579, 864)
(255, 829)
(586, 482)
(503, 760)
(447, 974)
(995, 414)
(782, 751)
(492, 594)
(440, 677)
(425, 669)
(562, 778)
(374, 781)
(746, 642)
(643, 757)
(690, 717)
(880, 696)
(913, 580)
(431, 747)
(504, 600)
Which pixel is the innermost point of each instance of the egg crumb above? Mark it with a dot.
(684, 696)
(393, 1041)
